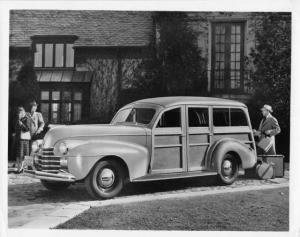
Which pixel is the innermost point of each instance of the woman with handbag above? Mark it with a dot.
(22, 129)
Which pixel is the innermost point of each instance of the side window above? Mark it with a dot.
(221, 117)
(198, 117)
(169, 119)
(238, 117)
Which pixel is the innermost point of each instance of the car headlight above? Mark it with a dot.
(35, 146)
(62, 148)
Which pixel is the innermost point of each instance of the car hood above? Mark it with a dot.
(67, 131)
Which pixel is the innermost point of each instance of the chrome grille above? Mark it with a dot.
(47, 161)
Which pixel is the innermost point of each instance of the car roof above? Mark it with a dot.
(181, 100)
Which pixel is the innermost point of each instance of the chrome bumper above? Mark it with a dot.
(30, 170)
(61, 176)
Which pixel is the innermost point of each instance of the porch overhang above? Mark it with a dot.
(64, 76)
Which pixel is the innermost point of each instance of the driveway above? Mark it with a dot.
(28, 199)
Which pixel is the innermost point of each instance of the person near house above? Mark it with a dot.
(22, 135)
(37, 121)
(268, 129)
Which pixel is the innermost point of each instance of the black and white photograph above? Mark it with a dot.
(171, 119)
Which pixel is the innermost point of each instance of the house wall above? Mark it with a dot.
(201, 23)
(113, 70)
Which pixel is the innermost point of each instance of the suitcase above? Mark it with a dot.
(265, 170)
(277, 161)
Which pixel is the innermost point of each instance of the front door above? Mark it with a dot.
(198, 136)
(169, 139)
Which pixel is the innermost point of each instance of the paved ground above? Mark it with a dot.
(28, 199)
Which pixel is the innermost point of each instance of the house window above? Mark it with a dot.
(61, 106)
(227, 56)
(54, 55)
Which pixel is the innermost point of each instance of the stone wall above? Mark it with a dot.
(113, 71)
(201, 24)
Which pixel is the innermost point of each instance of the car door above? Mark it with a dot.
(198, 136)
(169, 141)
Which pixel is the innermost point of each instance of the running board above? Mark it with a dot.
(178, 175)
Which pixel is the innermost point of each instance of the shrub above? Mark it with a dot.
(272, 75)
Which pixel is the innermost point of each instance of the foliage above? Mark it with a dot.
(174, 65)
(21, 92)
(272, 75)
(24, 90)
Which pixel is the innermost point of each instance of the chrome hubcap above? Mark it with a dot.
(227, 167)
(106, 178)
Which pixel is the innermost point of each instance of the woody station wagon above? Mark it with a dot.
(150, 139)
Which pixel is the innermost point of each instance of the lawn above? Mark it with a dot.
(264, 210)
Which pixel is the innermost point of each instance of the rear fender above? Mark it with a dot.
(247, 157)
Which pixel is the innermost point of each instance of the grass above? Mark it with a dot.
(264, 210)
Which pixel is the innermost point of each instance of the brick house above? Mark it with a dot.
(83, 59)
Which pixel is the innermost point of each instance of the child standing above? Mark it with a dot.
(23, 137)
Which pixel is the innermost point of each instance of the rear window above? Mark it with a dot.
(223, 117)
(238, 117)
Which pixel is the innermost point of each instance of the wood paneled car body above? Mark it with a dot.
(150, 139)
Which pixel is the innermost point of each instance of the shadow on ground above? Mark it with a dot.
(35, 193)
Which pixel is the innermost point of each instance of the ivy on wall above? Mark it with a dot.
(271, 77)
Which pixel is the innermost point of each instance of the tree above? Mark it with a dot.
(174, 65)
(272, 75)
(21, 92)
(25, 89)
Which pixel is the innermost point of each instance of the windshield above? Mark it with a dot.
(134, 115)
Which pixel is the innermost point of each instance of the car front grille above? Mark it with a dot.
(47, 161)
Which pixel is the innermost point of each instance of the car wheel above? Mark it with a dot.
(55, 186)
(106, 180)
(229, 170)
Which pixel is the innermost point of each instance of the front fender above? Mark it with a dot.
(246, 155)
(83, 157)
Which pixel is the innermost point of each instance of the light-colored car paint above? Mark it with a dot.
(88, 144)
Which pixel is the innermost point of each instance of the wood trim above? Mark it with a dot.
(168, 145)
(199, 144)
(162, 171)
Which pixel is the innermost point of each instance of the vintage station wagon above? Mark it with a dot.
(150, 139)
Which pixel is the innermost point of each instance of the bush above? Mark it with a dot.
(21, 92)
(272, 75)
(174, 65)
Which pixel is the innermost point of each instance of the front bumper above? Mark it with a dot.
(29, 170)
(65, 177)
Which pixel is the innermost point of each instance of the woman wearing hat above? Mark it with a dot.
(268, 129)
(37, 121)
